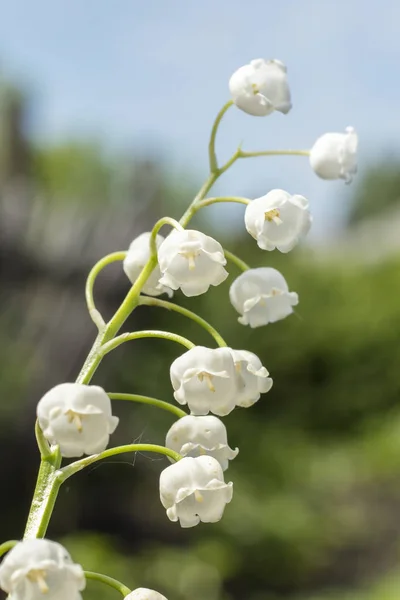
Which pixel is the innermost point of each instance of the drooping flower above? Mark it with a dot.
(198, 436)
(77, 417)
(262, 296)
(261, 87)
(191, 261)
(334, 155)
(205, 380)
(194, 490)
(253, 378)
(38, 568)
(136, 258)
(278, 220)
(144, 594)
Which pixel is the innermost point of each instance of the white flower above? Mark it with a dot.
(252, 377)
(77, 417)
(136, 258)
(194, 490)
(278, 220)
(36, 569)
(144, 594)
(334, 155)
(262, 296)
(205, 380)
(197, 436)
(261, 87)
(191, 261)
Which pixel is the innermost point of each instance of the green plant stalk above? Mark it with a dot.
(47, 483)
(178, 412)
(149, 301)
(75, 467)
(212, 157)
(236, 260)
(110, 581)
(7, 546)
(148, 333)
(98, 267)
(45, 496)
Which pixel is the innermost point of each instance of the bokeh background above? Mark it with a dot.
(105, 113)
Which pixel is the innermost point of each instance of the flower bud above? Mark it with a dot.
(278, 220)
(194, 490)
(334, 155)
(37, 568)
(261, 296)
(136, 258)
(191, 261)
(198, 436)
(77, 417)
(261, 87)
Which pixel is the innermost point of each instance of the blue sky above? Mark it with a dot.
(153, 74)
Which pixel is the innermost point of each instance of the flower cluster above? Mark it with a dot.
(75, 419)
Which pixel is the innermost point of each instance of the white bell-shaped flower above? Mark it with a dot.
(253, 378)
(205, 380)
(261, 87)
(144, 594)
(37, 568)
(194, 490)
(77, 417)
(262, 296)
(198, 436)
(191, 261)
(334, 155)
(278, 220)
(136, 258)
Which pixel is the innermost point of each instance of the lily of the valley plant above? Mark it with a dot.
(75, 419)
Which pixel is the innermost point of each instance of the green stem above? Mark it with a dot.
(47, 486)
(243, 154)
(78, 465)
(146, 333)
(44, 497)
(236, 260)
(209, 201)
(211, 146)
(42, 443)
(149, 301)
(7, 546)
(148, 400)
(98, 267)
(160, 223)
(114, 583)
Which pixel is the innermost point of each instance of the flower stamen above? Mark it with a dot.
(273, 215)
(74, 417)
(206, 376)
(198, 496)
(39, 576)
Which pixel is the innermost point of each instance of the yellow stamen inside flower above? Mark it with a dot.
(273, 215)
(255, 88)
(238, 367)
(75, 418)
(38, 576)
(198, 496)
(208, 378)
(190, 256)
